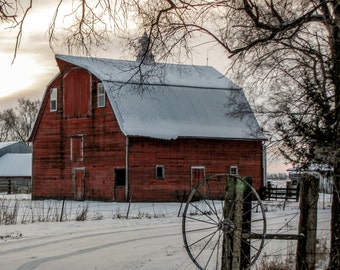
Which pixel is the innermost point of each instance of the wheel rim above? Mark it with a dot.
(206, 225)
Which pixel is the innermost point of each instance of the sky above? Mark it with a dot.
(34, 65)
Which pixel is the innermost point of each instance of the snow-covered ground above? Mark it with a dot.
(151, 237)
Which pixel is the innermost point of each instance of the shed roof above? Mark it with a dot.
(5, 144)
(14, 147)
(16, 165)
(168, 101)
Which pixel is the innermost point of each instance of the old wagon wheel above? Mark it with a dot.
(224, 223)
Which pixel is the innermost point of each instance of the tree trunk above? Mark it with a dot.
(335, 219)
(335, 225)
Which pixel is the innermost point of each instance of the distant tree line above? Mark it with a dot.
(16, 123)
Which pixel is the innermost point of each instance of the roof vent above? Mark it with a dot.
(145, 55)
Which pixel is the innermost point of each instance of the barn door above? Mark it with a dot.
(197, 175)
(79, 183)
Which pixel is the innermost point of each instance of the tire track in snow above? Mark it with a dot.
(33, 253)
(82, 236)
(37, 262)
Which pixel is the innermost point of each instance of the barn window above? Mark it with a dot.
(120, 177)
(100, 95)
(53, 99)
(160, 172)
(234, 170)
(77, 143)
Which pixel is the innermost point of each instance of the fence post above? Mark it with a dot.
(62, 210)
(9, 186)
(228, 209)
(182, 201)
(238, 205)
(306, 247)
(128, 210)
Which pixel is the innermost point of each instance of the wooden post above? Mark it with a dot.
(237, 220)
(62, 210)
(246, 221)
(228, 211)
(182, 201)
(128, 210)
(306, 247)
(235, 253)
(9, 187)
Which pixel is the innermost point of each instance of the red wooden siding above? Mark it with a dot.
(77, 90)
(76, 150)
(103, 149)
(178, 156)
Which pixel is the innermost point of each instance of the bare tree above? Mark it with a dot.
(292, 44)
(16, 124)
(90, 23)
(14, 13)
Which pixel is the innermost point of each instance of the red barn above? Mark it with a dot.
(115, 130)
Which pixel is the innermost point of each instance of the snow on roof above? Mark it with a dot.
(14, 147)
(168, 112)
(165, 74)
(16, 165)
(5, 144)
(168, 101)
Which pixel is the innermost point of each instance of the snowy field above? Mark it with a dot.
(149, 238)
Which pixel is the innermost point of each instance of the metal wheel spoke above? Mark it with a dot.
(250, 245)
(201, 229)
(213, 211)
(250, 210)
(203, 221)
(213, 203)
(212, 252)
(212, 235)
(255, 220)
(247, 197)
(222, 233)
(218, 249)
(203, 213)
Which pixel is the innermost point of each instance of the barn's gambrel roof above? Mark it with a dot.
(168, 101)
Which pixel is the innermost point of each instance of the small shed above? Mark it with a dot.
(322, 171)
(14, 147)
(15, 167)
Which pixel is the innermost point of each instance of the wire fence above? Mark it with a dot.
(16, 209)
(282, 218)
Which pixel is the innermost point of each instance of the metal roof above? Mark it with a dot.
(14, 147)
(163, 74)
(5, 144)
(168, 101)
(16, 165)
